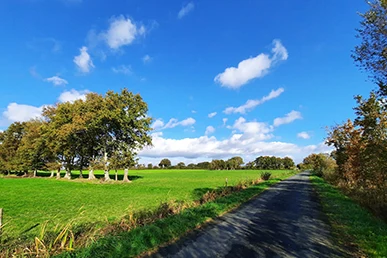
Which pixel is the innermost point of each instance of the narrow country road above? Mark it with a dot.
(284, 221)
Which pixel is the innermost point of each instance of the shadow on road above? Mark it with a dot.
(284, 221)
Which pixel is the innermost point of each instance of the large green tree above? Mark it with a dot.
(165, 163)
(371, 53)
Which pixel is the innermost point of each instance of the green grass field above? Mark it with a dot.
(29, 201)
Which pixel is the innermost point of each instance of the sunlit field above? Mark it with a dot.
(30, 201)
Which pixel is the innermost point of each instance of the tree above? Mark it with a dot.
(371, 54)
(150, 166)
(165, 163)
(250, 165)
(10, 143)
(191, 166)
(180, 165)
(288, 163)
(320, 163)
(203, 165)
(234, 163)
(33, 152)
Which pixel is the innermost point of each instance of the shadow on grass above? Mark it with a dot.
(85, 176)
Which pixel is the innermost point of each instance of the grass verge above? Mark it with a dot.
(147, 238)
(352, 225)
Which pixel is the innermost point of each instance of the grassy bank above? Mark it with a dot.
(352, 224)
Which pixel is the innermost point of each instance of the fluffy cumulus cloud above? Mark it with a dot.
(253, 129)
(122, 31)
(251, 104)
(83, 61)
(209, 130)
(288, 118)
(211, 115)
(158, 124)
(72, 95)
(172, 123)
(209, 147)
(251, 68)
(303, 135)
(56, 80)
(124, 69)
(186, 10)
(21, 113)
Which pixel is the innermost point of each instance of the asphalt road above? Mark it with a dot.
(284, 221)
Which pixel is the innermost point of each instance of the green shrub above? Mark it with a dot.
(265, 176)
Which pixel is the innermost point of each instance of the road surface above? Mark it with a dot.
(284, 221)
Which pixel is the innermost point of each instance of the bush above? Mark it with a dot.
(265, 176)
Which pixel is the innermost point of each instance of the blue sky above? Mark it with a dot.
(221, 78)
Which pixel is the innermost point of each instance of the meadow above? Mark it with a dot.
(31, 201)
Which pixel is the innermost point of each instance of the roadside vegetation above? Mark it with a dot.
(356, 197)
(353, 226)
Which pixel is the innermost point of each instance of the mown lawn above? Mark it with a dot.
(29, 201)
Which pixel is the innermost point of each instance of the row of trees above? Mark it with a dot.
(100, 131)
(361, 144)
(262, 162)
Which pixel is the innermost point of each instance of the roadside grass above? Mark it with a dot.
(29, 203)
(146, 239)
(352, 224)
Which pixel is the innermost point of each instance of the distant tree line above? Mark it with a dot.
(102, 131)
(262, 163)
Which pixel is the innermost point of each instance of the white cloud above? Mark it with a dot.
(253, 129)
(209, 147)
(193, 111)
(185, 10)
(251, 104)
(224, 121)
(209, 130)
(158, 124)
(251, 68)
(173, 122)
(72, 95)
(280, 52)
(56, 80)
(303, 135)
(187, 122)
(288, 118)
(122, 31)
(124, 69)
(211, 115)
(146, 59)
(83, 61)
(21, 113)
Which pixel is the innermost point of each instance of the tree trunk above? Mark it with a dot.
(68, 174)
(126, 178)
(58, 174)
(116, 175)
(80, 174)
(91, 174)
(52, 174)
(35, 171)
(107, 177)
